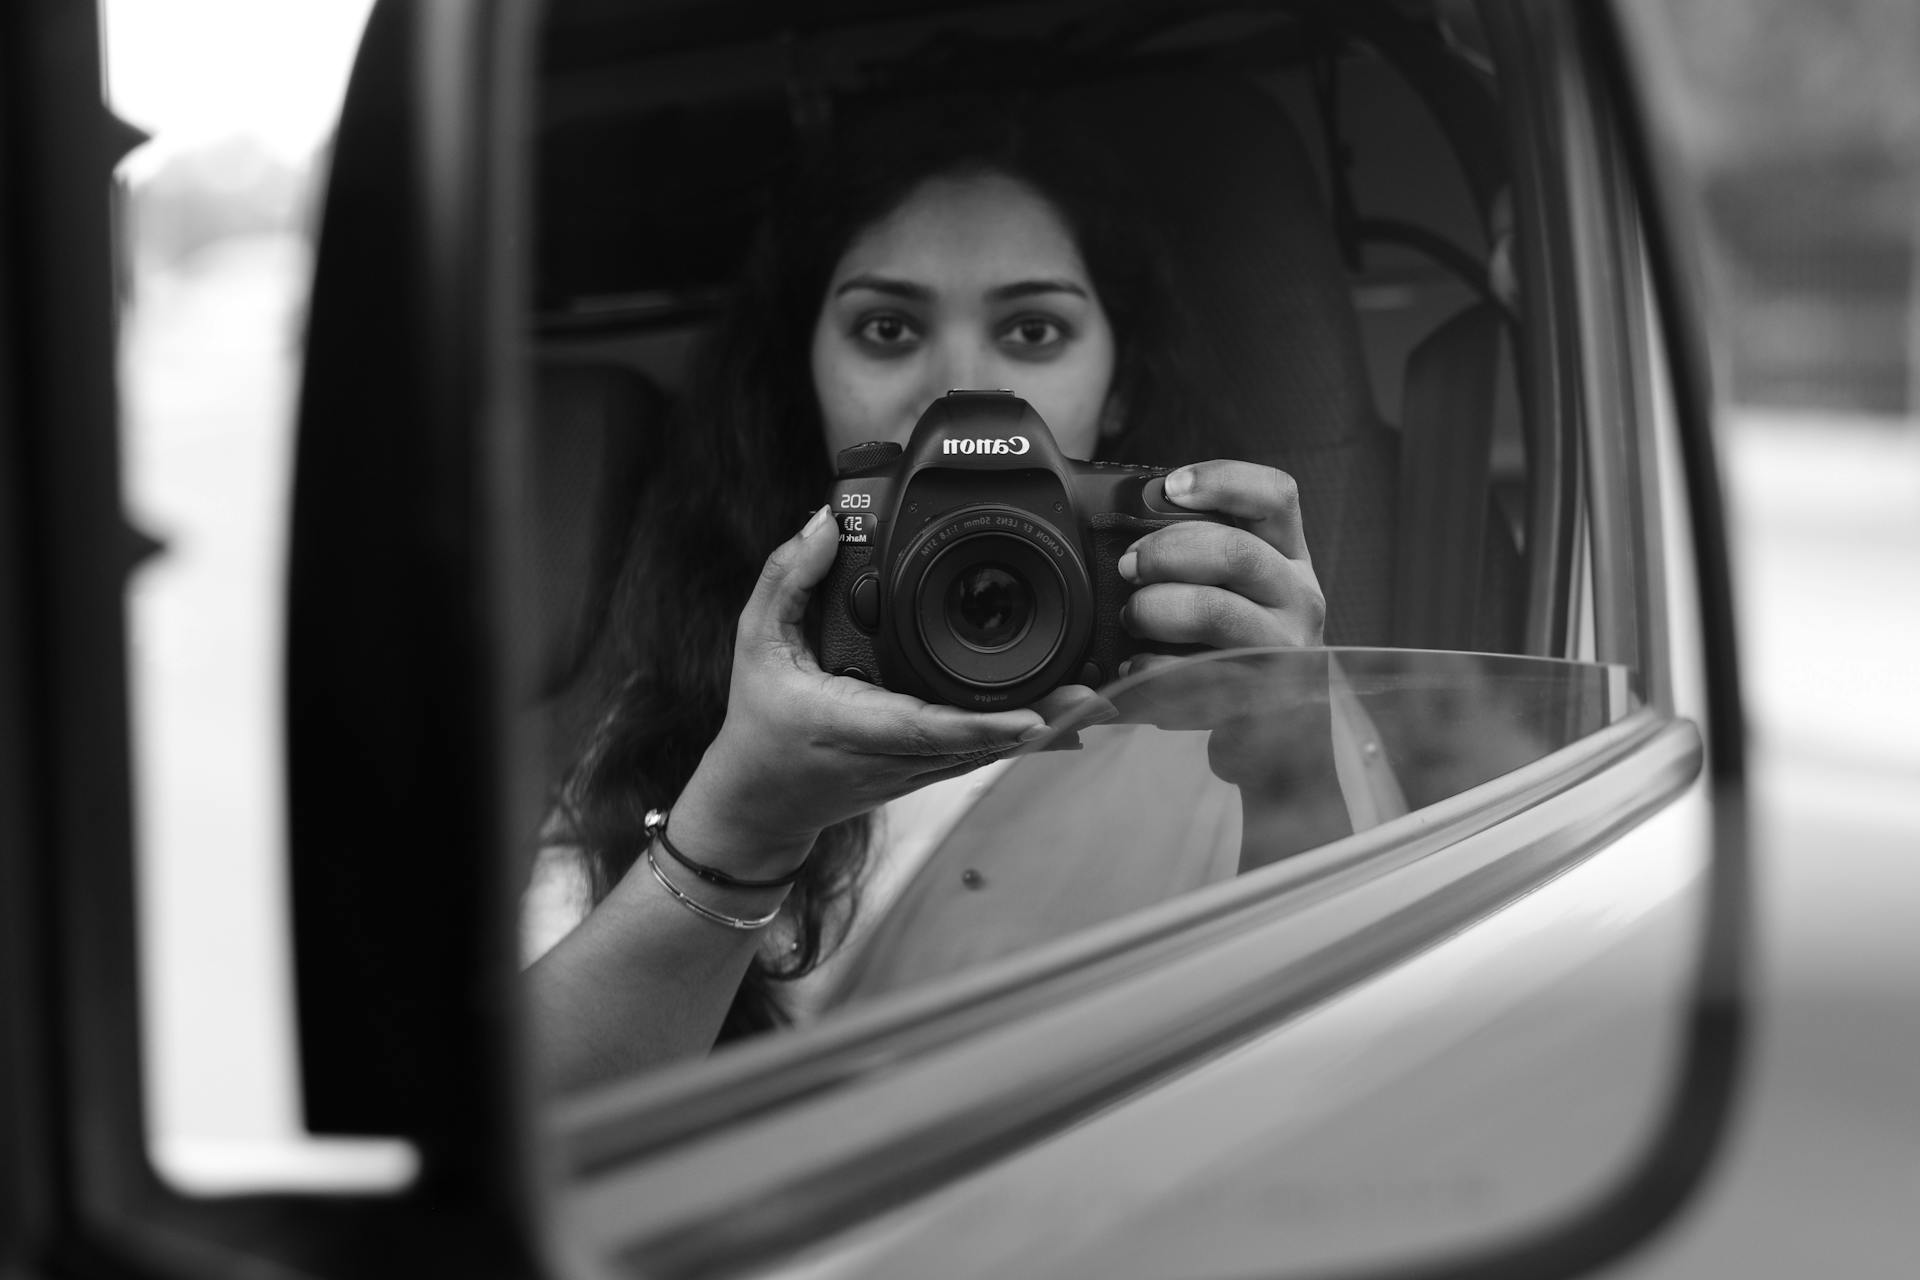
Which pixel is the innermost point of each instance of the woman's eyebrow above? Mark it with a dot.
(911, 291)
(1029, 288)
(906, 289)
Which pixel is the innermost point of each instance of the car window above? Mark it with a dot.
(1217, 767)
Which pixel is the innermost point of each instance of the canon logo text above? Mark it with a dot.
(1013, 444)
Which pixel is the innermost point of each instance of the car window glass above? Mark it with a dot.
(1213, 768)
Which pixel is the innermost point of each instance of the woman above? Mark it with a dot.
(969, 249)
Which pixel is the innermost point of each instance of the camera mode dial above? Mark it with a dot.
(865, 457)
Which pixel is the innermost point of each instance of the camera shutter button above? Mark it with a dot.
(1153, 496)
(863, 601)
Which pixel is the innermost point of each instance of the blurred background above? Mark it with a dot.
(1800, 121)
(217, 218)
(1797, 122)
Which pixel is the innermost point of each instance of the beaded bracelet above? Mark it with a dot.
(703, 911)
(655, 825)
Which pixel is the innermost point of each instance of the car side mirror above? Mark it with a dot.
(414, 788)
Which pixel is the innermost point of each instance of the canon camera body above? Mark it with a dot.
(978, 565)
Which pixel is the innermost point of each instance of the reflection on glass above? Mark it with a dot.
(1136, 240)
(1215, 766)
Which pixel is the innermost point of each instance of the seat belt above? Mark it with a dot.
(1446, 441)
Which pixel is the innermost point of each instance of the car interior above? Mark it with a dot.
(1331, 182)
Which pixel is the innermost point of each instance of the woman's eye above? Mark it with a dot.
(885, 330)
(1034, 335)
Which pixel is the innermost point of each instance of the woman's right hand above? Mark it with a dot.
(802, 749)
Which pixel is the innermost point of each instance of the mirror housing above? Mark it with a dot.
(400, 749)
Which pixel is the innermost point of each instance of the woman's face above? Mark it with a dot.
(972, 283)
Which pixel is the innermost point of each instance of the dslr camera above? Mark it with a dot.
(978, 565)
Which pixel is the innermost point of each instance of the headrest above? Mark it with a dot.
(1251, 247)
(1238, 204)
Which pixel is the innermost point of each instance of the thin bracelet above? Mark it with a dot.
(705, 912)
(655, 825)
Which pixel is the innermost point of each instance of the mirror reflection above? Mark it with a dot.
(867, 459)
(1021, 502)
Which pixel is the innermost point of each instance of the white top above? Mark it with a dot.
(906, 831)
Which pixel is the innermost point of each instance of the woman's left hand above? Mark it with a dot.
(1226, 586)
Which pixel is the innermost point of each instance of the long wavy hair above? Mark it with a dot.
(744, 463)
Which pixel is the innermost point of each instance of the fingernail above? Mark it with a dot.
(1029, 735)
(1126, 665)
(815, 524)
(1130, 566)
(1180, 483)
(1101, 716)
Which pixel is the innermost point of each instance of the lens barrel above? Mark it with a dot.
(987, 604)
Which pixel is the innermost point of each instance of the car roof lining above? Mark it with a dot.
(654, 159)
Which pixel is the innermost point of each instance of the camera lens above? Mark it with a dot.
(989, 607)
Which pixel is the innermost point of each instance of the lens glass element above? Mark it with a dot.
(989, 607)
(983, 608)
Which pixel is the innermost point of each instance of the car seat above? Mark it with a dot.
(1237, 201)
(594, 427)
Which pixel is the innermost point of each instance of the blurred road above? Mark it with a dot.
(1821, 1174)
(1826, 526)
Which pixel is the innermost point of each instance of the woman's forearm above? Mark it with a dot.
(642, 981)
(646, 979)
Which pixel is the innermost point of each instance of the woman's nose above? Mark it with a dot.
(962, 366)
(957, 364)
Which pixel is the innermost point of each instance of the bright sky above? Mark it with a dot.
(193, 70)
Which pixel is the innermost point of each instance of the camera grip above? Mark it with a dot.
(1113, 533)
(841, 646)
